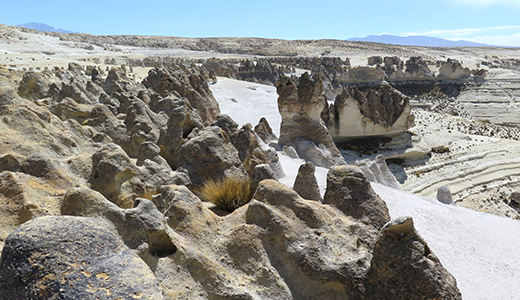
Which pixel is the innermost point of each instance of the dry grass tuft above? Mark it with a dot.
(228, 193)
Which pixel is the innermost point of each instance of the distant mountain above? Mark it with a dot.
(416, 40)
(44, 27)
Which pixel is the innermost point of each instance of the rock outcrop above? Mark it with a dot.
(190, 86)
(302, 127)
(375, 112)
(264, 131)
(452, 69)
(98, 148)
(362, 75)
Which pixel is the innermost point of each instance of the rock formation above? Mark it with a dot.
(191, 86)
(417, 68)
(375, 60)
(305, 183)
(401, 253)
(378, 171)
(302, 127)
(452, 69)
(350, 191)
(376, 112)
(264, 131)
(96, 150)
(362, 75)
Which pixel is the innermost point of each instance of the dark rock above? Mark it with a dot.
(444, 195)
(71, 258)
(261, 172)
(306, 184)
(228, 125)
(375, 60)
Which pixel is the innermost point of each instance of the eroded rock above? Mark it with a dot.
(300, 107)
(71, 258)
(404, 267)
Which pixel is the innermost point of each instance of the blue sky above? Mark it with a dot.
(486, 21)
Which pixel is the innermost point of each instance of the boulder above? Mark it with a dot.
(300, 107)
(261, 172)
(210, 154)
(306, 184)
(349, 190)
(72, 258)
(375, 60)
(404, 267)
(444, 195)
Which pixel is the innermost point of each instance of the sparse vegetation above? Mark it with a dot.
(228, 193)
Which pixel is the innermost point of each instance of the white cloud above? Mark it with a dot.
(499, 40)
(509, 3)
(497, 35)
(451, 33)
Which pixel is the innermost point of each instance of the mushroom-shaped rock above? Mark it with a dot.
(403, 267)
(72, 258)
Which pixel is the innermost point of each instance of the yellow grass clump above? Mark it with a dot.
(228, 193)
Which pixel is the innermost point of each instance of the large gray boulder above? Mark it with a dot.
(72, 258)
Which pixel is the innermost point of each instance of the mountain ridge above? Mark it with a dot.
(44, 27)
(417, 40)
